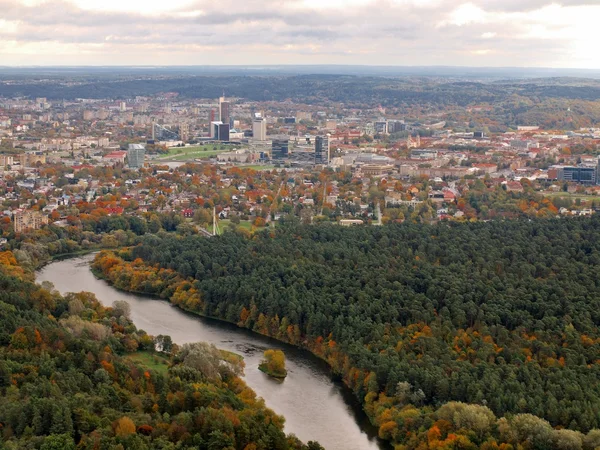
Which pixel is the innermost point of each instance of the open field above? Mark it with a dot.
(567, 195)
(191, 153)
(259, 167)
(151, 360)
(244, 224)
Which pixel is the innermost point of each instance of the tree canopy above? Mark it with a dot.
(503, 315)
(69, 378)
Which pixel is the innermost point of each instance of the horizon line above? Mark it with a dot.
(395, 66)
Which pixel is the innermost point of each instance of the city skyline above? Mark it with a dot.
(488, 33)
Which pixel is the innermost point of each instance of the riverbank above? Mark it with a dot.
(185, 297)
(121, 383)
(315, 405)
(69, 255)
(302, 346)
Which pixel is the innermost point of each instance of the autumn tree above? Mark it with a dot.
(274, 363)
(124, 427)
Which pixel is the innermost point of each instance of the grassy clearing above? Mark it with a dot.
(259, 167)
(244, 225)
(151, 360)
(198, 154)
(174, 151)
(190, 153)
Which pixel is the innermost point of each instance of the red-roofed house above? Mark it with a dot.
(449, 196)
(117, 157)
(486, 168)
(514, 186)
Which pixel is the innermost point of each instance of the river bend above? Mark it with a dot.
(314, 406)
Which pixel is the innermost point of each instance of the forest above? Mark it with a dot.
(455, 335)
(72, 375)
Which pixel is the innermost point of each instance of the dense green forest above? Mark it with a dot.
(319, 88)
(500, 315)
(74, 374)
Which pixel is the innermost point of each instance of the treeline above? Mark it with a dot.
(500, 315)
(367, 90)
(33, 248)
(67, 381)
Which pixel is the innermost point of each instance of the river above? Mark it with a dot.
(314, 406)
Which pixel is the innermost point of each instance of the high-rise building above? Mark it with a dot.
(280, 147)
(220, 131)
(322, 150)
(381, 127)
(184, 131)
(212, 117)
(123, 106)
(224, 129)
(259, 129)
(135, 156)
(29, 219)
(395, 126)
(224, 112)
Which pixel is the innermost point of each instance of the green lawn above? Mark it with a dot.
(198, 155)
(259, 167)
(174, 151)
(151, 360)
(562, 194)
(244, 224)
(190, 153)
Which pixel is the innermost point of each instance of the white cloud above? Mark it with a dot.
(332, 4)
(465, 14)
(135, 6)
(404, 32)
(8, 26)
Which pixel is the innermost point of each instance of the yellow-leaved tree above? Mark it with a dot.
(274, 364)
(124, 427)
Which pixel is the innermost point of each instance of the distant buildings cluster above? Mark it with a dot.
(584, 174)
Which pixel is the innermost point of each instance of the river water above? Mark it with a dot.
(314, 406)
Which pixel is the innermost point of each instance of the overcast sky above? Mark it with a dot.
(531, 33)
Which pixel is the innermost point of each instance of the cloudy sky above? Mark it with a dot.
(542, 33)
